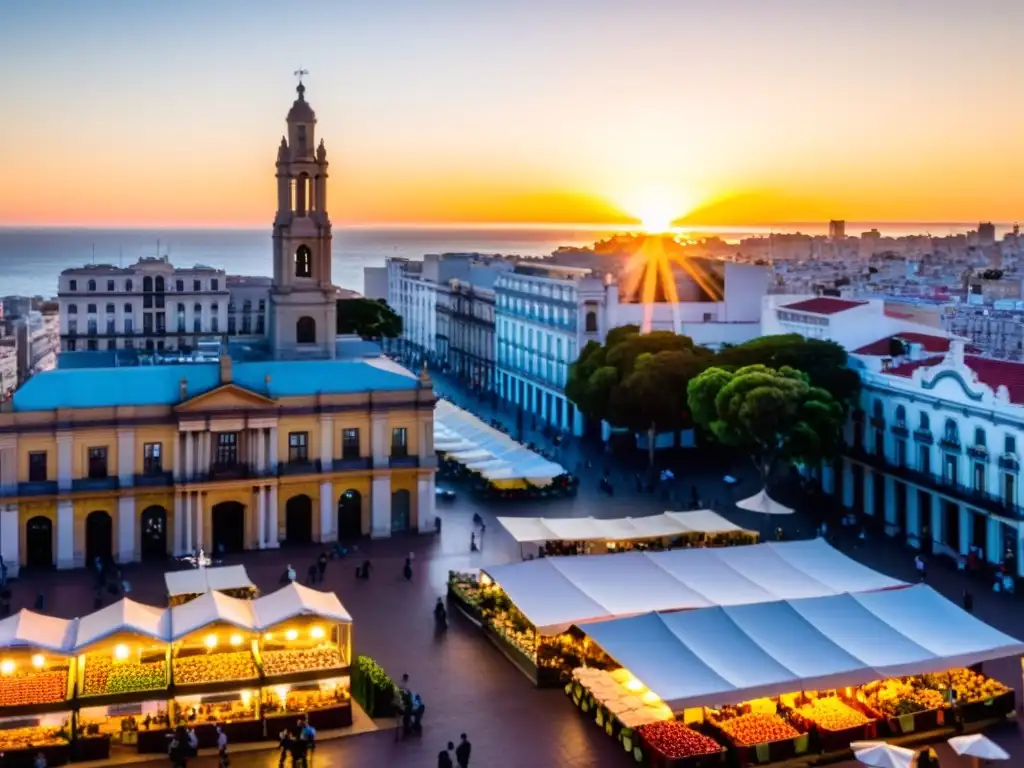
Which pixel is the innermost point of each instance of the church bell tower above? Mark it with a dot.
(302, 297)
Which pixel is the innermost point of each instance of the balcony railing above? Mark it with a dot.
(980, 499)
(900, 429)
(304, 467)
(95, 484)
(403, 461)
(978, 452)
(233, 471)
(924, 436)
(153, 479)
(1009, 462)
(351, 462)
(951, 444)
(37, 488)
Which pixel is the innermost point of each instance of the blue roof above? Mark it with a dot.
(161, 384)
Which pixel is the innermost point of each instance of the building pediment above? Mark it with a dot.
(225, 398)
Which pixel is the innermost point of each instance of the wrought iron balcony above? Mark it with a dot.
(232, 471)
(900, 429)
(304, 467)
(1009, 462)
(351, 462)
(399, 462)
(951, 444)
(95, 484)
(37, 488)
(153, 479)
(924, 436)
(978, 452)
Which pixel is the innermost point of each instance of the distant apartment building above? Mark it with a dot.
(836, 230)
(154, 306)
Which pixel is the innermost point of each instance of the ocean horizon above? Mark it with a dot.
(31, 258)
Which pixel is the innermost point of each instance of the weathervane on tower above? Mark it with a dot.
(300, 73)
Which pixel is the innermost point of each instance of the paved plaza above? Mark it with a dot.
(466, 683)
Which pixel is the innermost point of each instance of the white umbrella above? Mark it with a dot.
(886, 756)
(763, 503)
(977, 745)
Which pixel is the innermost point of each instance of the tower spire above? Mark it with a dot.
(300, 73)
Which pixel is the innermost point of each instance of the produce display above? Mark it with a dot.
(757, 728)
(27, 738)
(104, 675)
(674, 740)
(970, 687)
(895, 698)
(304, 701)
(286, 662)
(219, 712)
(211, 667)
(32, 686)
(832, 714)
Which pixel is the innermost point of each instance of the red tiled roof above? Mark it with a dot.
(994, 373)
(824, 305)
(927, 341)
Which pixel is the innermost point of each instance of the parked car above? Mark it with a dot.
(444, 494)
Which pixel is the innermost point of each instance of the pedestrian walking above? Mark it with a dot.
(462, 751)
(311, 574)
(222, 747)
(444, 757)
(40, 602)
(968, 601)
(321, 566)
(919, 564)
(285, 743)
(407, 570)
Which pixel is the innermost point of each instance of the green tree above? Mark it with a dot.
(774, 415)
(368, 318)
(824, 362)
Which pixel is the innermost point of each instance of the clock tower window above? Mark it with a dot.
(303, 262)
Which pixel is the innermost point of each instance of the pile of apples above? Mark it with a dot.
(674, 740)
(894, 698)
(104, 675)
(756, 728)
(33, 687)
(286, 662)
(235, 665)
(970, 686)
(832, 714)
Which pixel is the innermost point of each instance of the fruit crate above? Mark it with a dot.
(839, 740)
(990, 709)
(768, 752)
(918, 722)
(658, 759)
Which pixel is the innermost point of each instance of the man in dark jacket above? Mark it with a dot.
(462, 752)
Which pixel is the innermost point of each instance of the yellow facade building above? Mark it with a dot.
(293, 444)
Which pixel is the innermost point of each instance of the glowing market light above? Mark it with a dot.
(316, 633)
(38, 661)
(7, 667)
(121, 652)
(291, 634)
(236, 639)
(211, 641)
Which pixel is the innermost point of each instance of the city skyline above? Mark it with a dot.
(717, 114)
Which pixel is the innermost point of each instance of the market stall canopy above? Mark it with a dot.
(763, 504)
(557, 592)
(541, 529)
(123, 616)
(195, 581)
(468, 440)
(727, 655)
(28, 629)
(296, 600)
(211, 608)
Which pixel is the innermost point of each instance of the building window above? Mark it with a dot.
(1009, 444)
(179, 286)
(246, 324)
(303, 261)
(305, 330)
(110, 326)
(350, 443)
(111, 344)
(399, 442)
(298, 447)
(147, 284)
(128, 309)
(72, 345)
(152, 463)
(197, 285)
(259, 324)
(128, 325)
(91, 285)
(231, 326)
(951, 433)
(214, 284)
(128, 286)
(97, 463)
(925, 423)
(110, 285)
(214, 325)
(72, 285)
(159, 284)
(37, 467)
(924, 459)
(227, 449)
(1009, 489)
(90, 309)
(72, 309)
(159, 301)
(979, 437)
(147, 301)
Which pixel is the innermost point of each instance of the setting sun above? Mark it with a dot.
(657, 207)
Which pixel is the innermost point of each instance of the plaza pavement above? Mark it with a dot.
(467, 685)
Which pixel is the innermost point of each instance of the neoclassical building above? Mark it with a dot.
(146, 461)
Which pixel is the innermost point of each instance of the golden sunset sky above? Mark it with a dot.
(122, 113)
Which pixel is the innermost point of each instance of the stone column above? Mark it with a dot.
(890, 498)
(272, 542)
(328, 517)
(176, 464)
(126, 457)
(65, 460)
(10, 539)
(425, 499)
(913, 518)
(179, 525)
(380, 446)
(380, 500)
(261, 450)
(936, 524)
(326, 443)
(126, 529)
(190, 465)
(964, 519)
(993, 542)
(273, 463)
(189, 541)
(847, 484)
(65, 535)
(8, 466)
(200, 518)
(426, 439)
(261, 517)
(204, 453)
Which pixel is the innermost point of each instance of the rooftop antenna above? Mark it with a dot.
(94, 253)
(158, 247)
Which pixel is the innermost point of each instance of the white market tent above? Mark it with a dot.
(725, 655)
(495, 455)
(296, 600)
(211, 608)
(541, 529)
(195, 581)
(763, 504)
(556, 592)
(125, 616)
(27, 629)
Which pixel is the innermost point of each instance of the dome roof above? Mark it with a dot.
(301, 112)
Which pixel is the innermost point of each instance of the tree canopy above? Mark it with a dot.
(775, 415)
(368, 318)
(636, 380)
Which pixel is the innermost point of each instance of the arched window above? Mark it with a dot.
(72, 309)
(901, 415)
(92, 285)
(303, 261)
(110, 309)
(979, 437)
(302, 195)
(951, 432)
(197, 308)
(128, 286)
(247, 306)
(591, 322)
(159, 284)
(128, 308)
(925, 423)
(877, 410)
(147, 284)
(305, 330)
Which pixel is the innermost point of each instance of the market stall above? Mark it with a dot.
(36, 673)
(232, 580)
(588, 535)
(23, 738)
(779, 679)
(305, 651)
